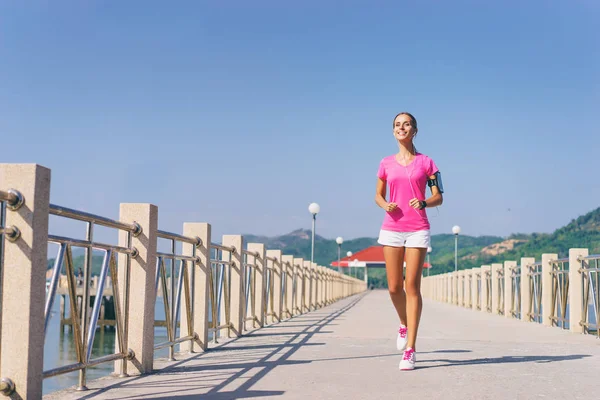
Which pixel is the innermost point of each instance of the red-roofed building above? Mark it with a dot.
(371, 257)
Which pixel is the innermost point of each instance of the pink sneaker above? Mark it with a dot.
(408, 360)
(402, 338)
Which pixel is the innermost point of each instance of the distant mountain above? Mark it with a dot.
(298, 244)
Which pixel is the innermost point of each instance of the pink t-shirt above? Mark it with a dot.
(404, 184)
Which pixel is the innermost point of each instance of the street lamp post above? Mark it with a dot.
(314, 209)
(456, 231)
(339, 240)
(428, 261)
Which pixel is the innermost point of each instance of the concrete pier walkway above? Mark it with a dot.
(347, 351)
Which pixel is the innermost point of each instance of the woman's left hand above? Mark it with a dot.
(415, 203)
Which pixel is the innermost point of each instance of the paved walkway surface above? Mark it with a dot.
(347, 351)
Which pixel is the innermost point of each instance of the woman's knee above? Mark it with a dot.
(412, 288)
(396, 290)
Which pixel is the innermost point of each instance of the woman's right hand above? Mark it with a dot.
(389, 207)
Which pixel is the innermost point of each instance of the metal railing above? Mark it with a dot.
(298, 290)
(478, 288)
(534, 308)
(462, 289)
(273, 268)
(590, 271)
(288, 292)
(227, 285)
(249, 273)
(220, 290)
(171, 294)
(83, 323)
(500, 289)
(470, 289)
(515, 300)
(560, 292)
(488, 290)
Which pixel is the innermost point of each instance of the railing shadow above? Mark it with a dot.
(211, 377)
(500, 360)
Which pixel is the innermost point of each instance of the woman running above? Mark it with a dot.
(405, 232)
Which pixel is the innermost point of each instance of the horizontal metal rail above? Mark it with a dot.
(231, 249)
(95, 245)
(134, 228)
(180, 238)
(174, 342)
(222, 262)
(169, 256)
(220, 327)
(96, 361)
(251, 253)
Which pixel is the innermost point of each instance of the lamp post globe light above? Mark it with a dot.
(339, 240)
(429, 250)
(456, 231)
(314, 209)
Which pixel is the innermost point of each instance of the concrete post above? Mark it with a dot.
(496, 295)
(278, 268)
(476, 296)
(24, 279)
(237, 300)
(260, 280)
(508, 289)
(525, 293)
(200, 286)
(142, 295)
(576, 290)
(546, 288)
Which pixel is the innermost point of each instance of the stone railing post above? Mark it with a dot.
(237, 300)
(508, 289)
(24, 279)
(141, 294)
(260, 281)
(525, 282)
(546, 282)
(277, 276)
(199, 281)
(576, 290)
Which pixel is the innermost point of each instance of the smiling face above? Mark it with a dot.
(405, 127)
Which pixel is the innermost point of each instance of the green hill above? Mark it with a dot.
(583, 232)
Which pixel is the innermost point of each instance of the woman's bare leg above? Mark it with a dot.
(415, 257)
(394, 261)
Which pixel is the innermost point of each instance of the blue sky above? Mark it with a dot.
(242, 113)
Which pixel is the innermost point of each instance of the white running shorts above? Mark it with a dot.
(420, 239)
